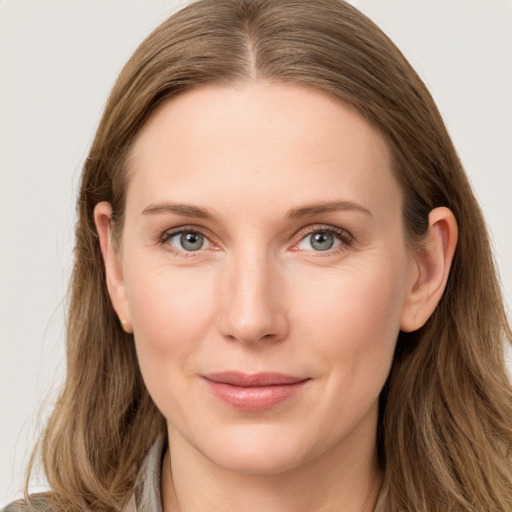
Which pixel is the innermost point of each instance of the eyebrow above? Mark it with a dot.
(327, 207)
(189, 210)
(186, 210)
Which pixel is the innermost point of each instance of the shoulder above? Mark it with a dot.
(36, 503)
(16, 506)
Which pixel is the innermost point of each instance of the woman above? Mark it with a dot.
(283, 295)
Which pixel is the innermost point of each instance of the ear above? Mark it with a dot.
(114, 274)
(432, 266)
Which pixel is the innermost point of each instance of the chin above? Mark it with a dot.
(257, 452)
(259, 463)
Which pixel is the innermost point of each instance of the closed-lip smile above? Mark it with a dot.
(256, 391)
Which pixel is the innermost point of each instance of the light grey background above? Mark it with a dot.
(58, 61)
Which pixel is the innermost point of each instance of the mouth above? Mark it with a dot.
(254, 392)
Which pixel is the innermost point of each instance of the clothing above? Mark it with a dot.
(147, 496)
(145, 499)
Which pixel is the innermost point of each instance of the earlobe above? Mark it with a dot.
(433, 261)
(113, 271)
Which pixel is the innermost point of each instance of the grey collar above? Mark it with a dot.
(147, 497)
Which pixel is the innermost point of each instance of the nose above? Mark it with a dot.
(253, 302)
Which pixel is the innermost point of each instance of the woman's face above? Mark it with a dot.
(264, 271)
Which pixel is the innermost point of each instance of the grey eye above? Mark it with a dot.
(320, 241)
(192, 241)
(189, 241)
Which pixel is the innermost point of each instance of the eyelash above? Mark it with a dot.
(164, 238)
(342, 235)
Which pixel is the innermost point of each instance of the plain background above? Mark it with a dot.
(58, 61)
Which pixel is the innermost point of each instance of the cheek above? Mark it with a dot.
(354, 314)
(172, 311)
(350, 325)
(168, 304)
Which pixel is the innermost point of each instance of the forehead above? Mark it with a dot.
(279, 141)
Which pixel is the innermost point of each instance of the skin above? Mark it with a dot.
(258, 297)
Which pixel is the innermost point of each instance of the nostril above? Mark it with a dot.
(271, 328)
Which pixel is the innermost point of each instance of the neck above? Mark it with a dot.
(344, 479)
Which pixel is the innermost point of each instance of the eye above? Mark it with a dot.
(322, 240)
(188, 241)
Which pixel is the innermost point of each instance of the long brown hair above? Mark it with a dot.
(445, 425)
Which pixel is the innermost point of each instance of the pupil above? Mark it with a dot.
(192, 241)
(322, 241)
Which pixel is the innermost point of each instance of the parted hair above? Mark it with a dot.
(445, 413)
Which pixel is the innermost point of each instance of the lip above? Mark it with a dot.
(254, 392)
